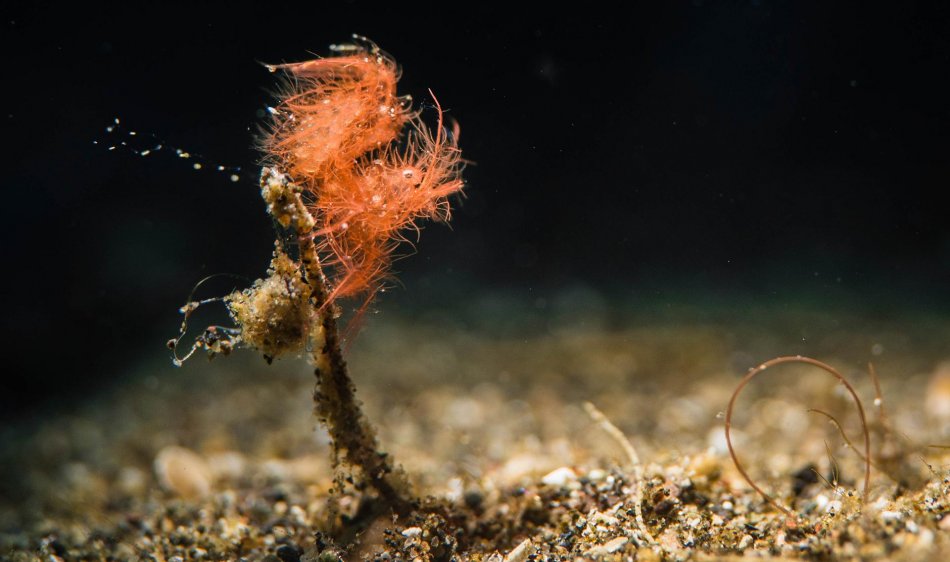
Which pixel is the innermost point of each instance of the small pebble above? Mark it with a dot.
(289, 553)
(597, 475)
(131, 481)
(228, 465)
(615, 545)
(559, 477)
(891, 515)
(601, 518)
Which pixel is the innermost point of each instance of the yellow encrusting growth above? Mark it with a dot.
(283, 201)
(273, 313)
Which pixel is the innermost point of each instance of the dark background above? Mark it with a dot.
(757, 150)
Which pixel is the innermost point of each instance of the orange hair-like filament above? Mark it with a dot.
(336, 131)
(334, 110)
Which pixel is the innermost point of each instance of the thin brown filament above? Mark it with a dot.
(835, 471)
(831, 371)
(827, 484)
(844, 436)
(878, 395)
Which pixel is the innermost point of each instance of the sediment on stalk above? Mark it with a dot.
(354, 439)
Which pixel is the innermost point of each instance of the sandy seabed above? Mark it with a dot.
(224, 460)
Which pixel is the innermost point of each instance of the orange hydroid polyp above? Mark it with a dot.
(338, 132)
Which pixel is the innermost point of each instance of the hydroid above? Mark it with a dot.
(350, 170)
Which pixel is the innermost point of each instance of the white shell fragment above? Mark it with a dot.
(609, 547)
(519, 553)
(183, 472)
